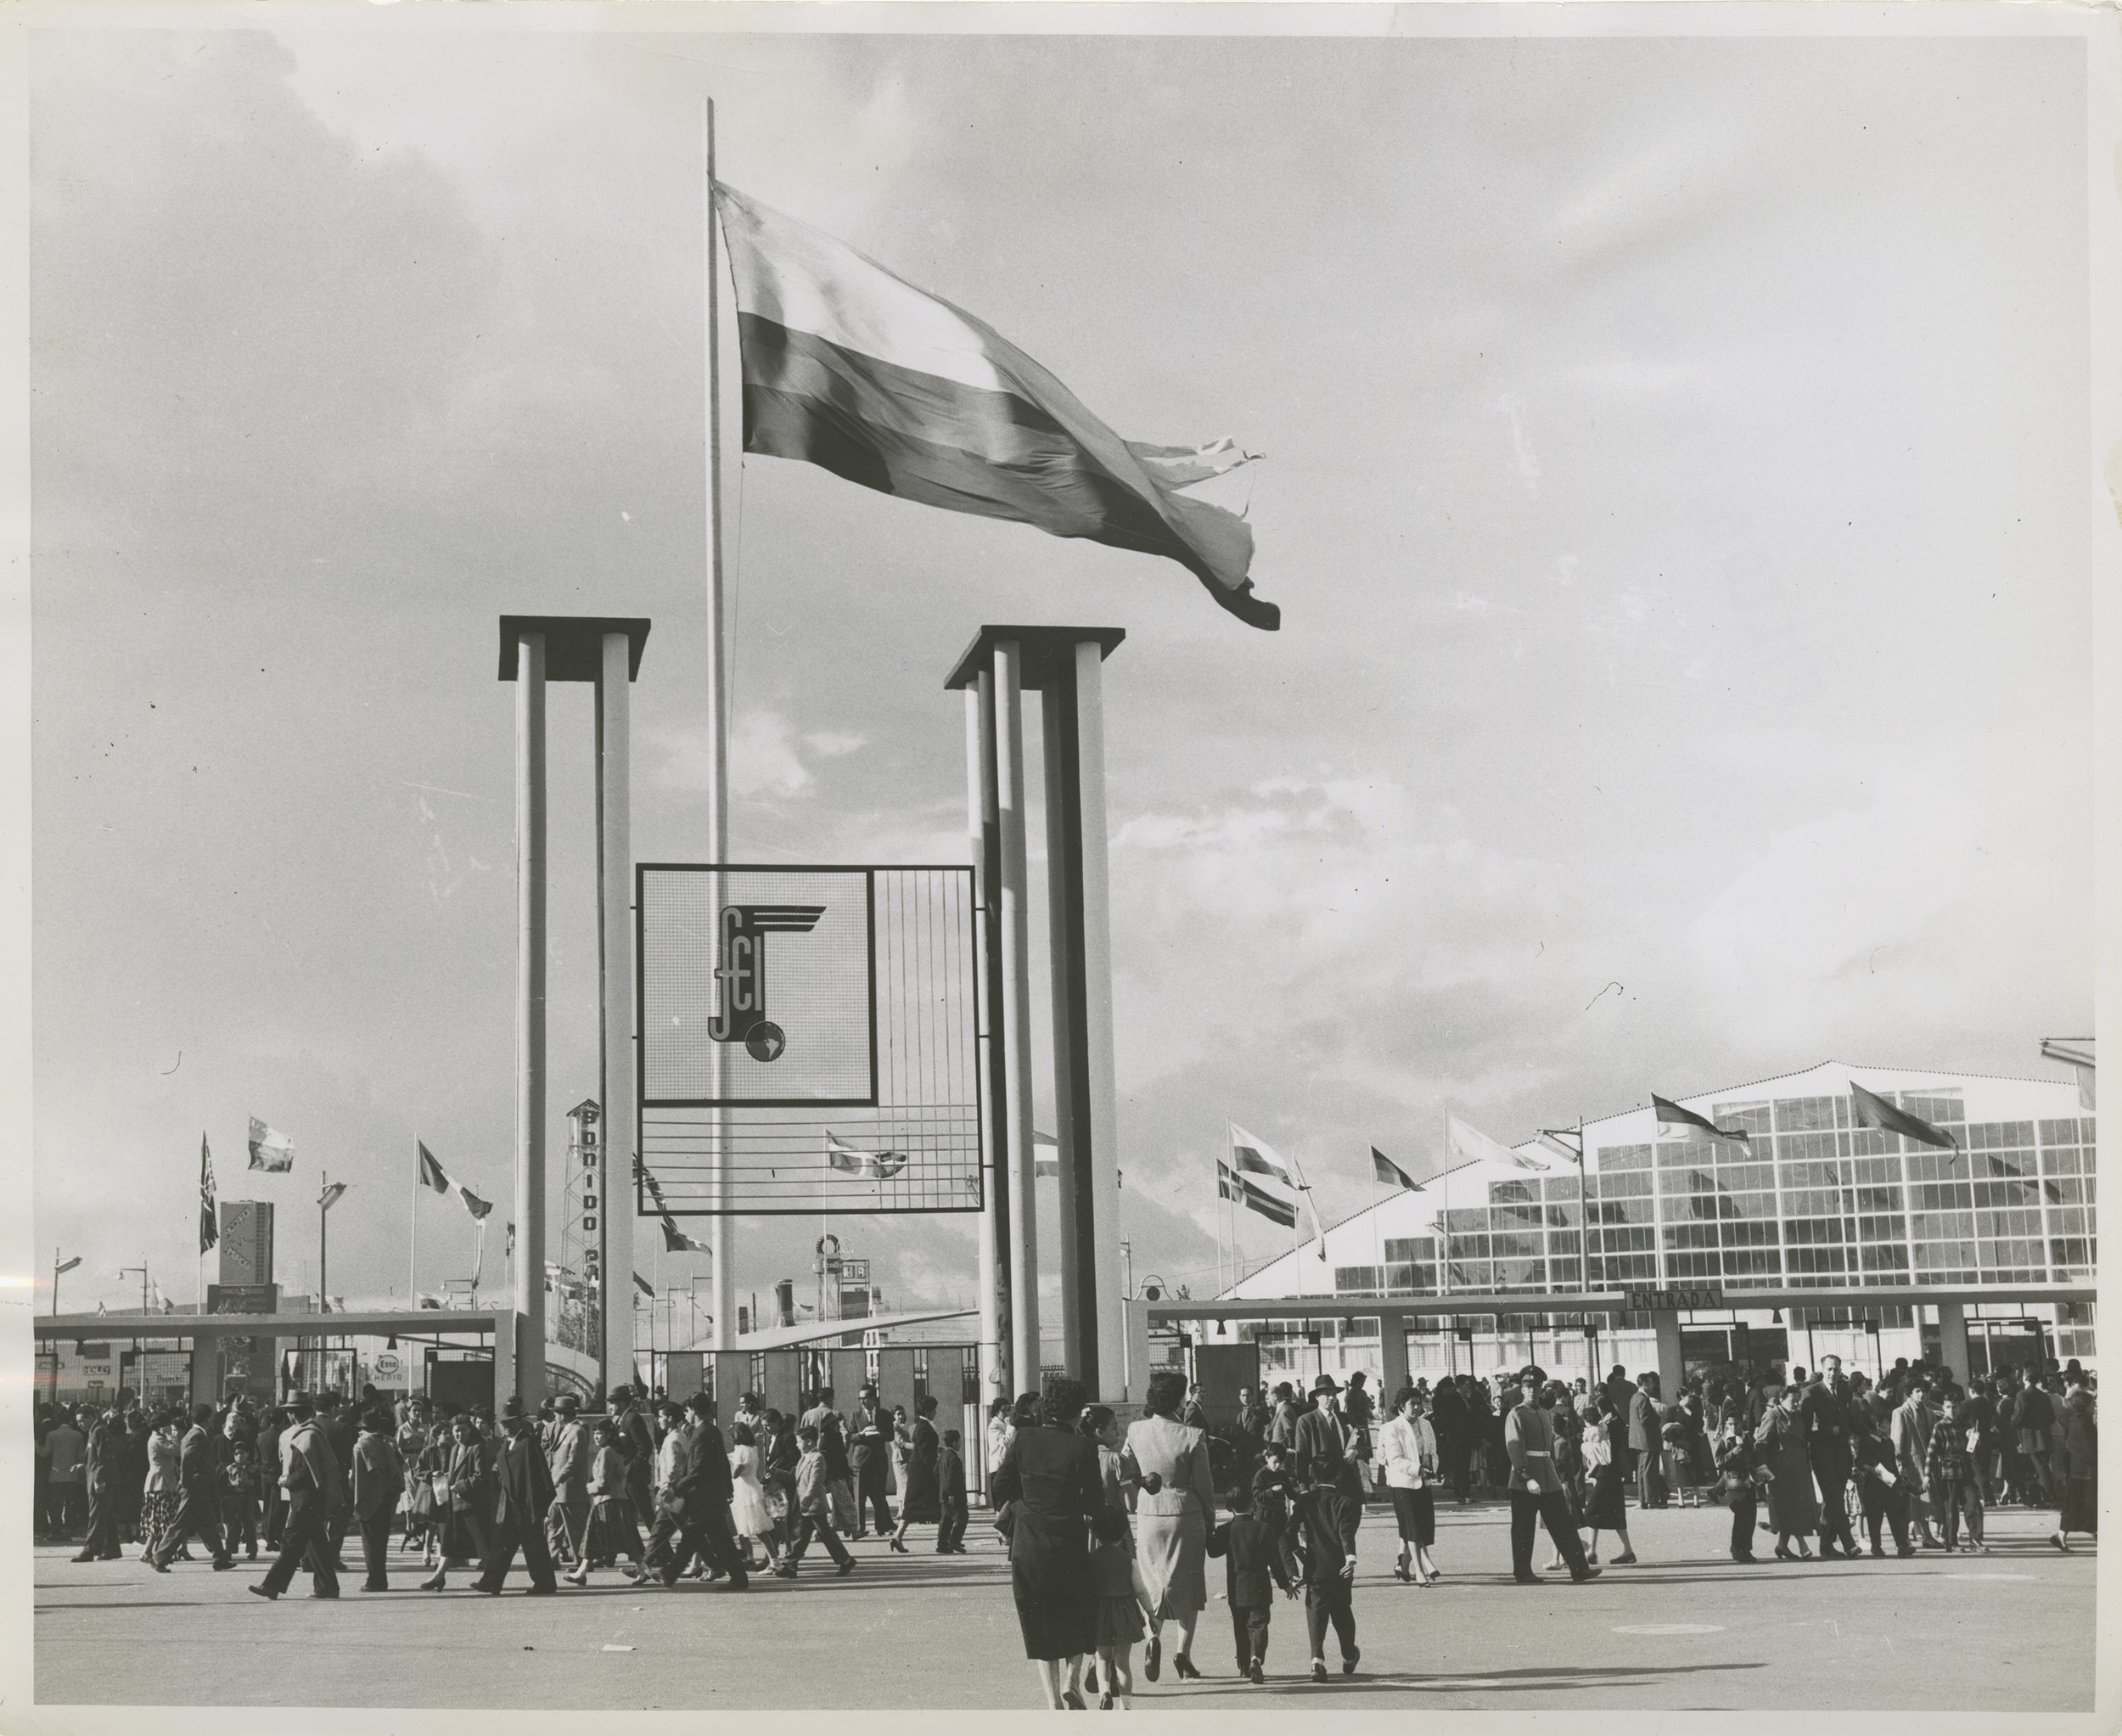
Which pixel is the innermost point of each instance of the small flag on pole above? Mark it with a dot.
(1873, 1110)
(329, 1197)
(1045, 1154)
(479, 1208)
(1672, 1116)
(207, 1235)
(431, 1174)
(645, 1286)
(67, 1266)
(1257, 1156)
(1468, 1144)
(874, 1166)
(1390, 1173)
(270, 1150)
(676, 1241)
(1233, 1186)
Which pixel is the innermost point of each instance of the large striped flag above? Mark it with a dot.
(432, 1175)
(1873, 1110)
(853, 1160)
(1390, 1173)
(207, 1233)
(848, 367)
(1233, 1186)
(270, 1150)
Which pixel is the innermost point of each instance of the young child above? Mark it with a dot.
(1252, 1566)
(1737, 1461)
(1328, 1519)
(1274, 1504)
(814, 1506)
(1120, 1622)
(950, 1480)
(239, 1500)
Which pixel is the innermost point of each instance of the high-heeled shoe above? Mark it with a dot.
(899, 1547)
(1783, 1553)
(1183, 1666)
(1401, 1573)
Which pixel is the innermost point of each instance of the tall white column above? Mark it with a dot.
(529, 1336)
(1058, 739)
(1103, 1159)
(1016, 1013)
(615, 1010)
(980, 825)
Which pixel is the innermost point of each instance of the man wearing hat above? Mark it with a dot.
(199, 1504)
(696, 1503)
(1320, 1443)
(315, 1490)
(1535, 1486)
(638, 1441)
(568, 1458)
(522, 1495)
(104, 1464)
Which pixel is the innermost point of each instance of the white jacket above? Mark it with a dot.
(1408, 1452)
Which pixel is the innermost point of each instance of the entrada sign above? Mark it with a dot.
(1646, 1301)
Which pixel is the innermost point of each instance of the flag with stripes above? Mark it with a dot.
(207, 1233)
(1233, 1186)
(431, 1174)
(1256, 1155)
(329, 1197)
(1465, 1143)
(676, 1241)
(1872, 1110)
(852, 1161)
(1673, 1119)
(479, 1208)
(1390, 1173)
(270, 1150)
(849, 368)
(1045, 1154)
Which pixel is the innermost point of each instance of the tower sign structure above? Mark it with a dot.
(605, 650)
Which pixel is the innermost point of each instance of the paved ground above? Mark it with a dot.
(1689, 1629)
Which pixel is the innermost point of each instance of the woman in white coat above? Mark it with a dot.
(1407, 1449)
(1167, 1462)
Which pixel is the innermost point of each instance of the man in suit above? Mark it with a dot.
(636, 1435)
(1284, 1420)
(1328, 1515)
(198, 1497)
(377, 1480)
(1647, 1442)
(1321, 1442)
(104, 1473)
(315, 1489)
(696, 1503)
(1252, 1416)
(523, 1496)
(1824, 1413)
(1536, 1487)
(1910, 1431)
(339, 1425)
(568, 1458)
(1448, 1419)
(869, 1457)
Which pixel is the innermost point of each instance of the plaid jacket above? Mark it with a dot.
(1947, 1458)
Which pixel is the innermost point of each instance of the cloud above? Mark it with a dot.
(769, 760)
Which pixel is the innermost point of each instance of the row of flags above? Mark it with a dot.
(1465, 1144)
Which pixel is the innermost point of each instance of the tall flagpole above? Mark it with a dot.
(718, 1239)
(412, 1257)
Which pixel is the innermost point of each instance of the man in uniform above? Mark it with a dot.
(1535, 1486)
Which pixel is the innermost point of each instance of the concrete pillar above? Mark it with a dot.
(1064, 971)
(1015, 936)
(982, 829)
(529, 1334)
(1952, 1338)
(1134, 1382)
(1671, 1365)
(1101, 1165)
(614, 1236)
(1392, 1345)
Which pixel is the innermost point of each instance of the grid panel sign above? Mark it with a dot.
(819, 1029)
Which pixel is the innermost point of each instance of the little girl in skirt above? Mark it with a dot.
(1120, 1622)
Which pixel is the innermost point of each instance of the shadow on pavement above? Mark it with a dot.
(1480, 1682)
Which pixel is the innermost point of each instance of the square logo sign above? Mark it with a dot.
(757, 986)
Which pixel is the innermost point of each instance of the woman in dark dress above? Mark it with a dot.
(923, 1502)
(1793, 1509)
(1605, 1448)
(1048, 1485)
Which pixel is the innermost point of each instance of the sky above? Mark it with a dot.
(1675, 483)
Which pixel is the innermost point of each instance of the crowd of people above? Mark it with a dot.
(653, 1483)
(1109, 1524)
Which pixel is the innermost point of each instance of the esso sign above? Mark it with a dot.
(387, 1364)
